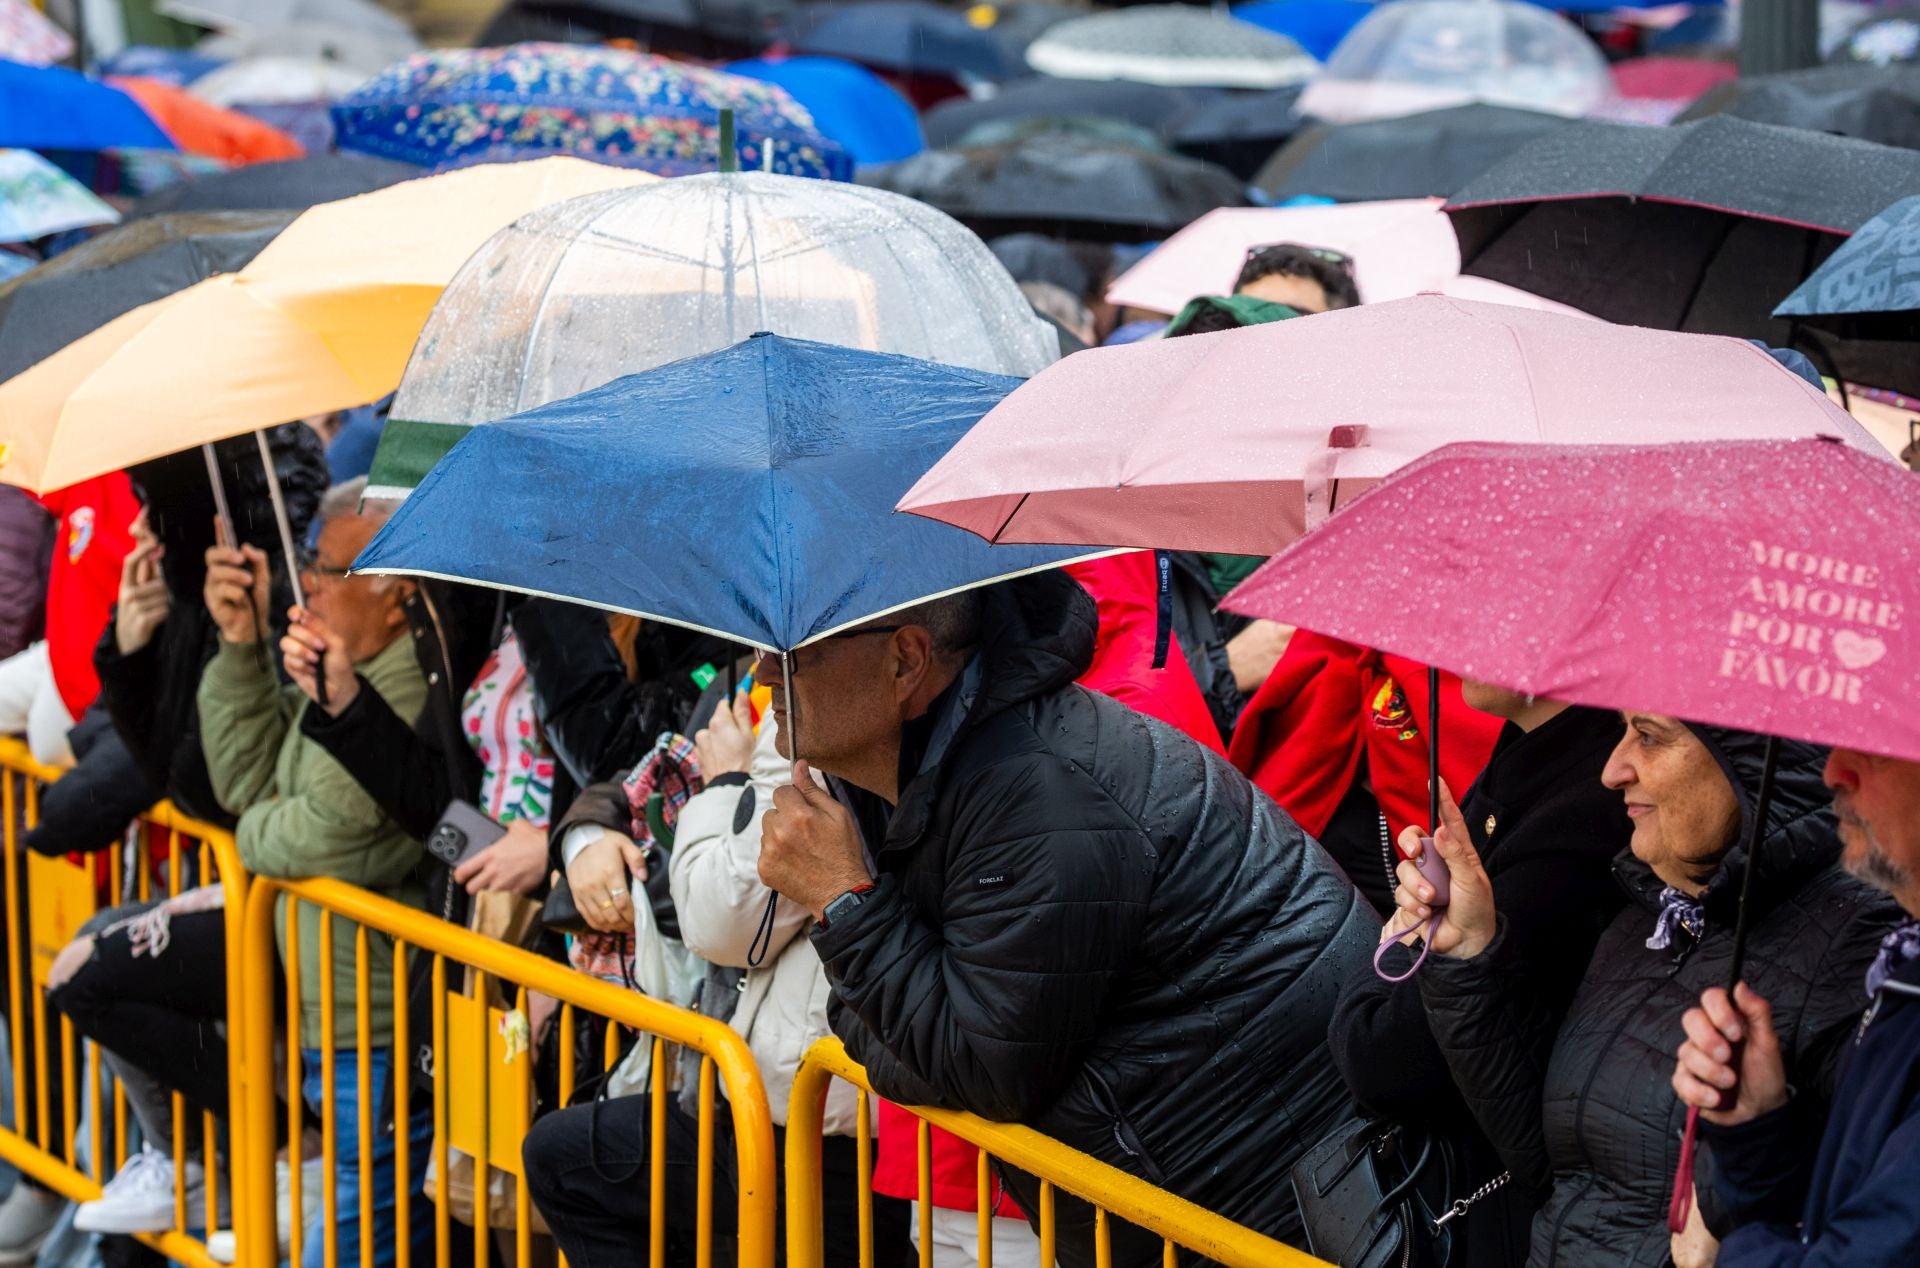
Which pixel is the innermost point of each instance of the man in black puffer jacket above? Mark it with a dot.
(1072, 915)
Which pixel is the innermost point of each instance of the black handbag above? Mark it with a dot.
(1362, 1196)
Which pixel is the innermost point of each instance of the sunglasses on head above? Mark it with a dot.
(1285, 253)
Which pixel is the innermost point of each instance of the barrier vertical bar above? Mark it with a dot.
(522, 1198)
(657, 1225)
(402, 1113)
(983, 1182)
(329, 1102)
(924, 1141)
(863, 1162)
(703, 1193)
(1049, 1227)
(296, 1117)
(363, 1082)
(19, 948)
(482, 1216)
(443, 1201)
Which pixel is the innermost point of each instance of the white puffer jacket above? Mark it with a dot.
(717, 893)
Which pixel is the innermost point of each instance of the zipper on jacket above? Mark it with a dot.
(1123, 1135)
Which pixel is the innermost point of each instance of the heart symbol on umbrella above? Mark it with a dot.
(1857, 651)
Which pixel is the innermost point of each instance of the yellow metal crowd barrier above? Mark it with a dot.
(482, 1103)
(482, 1093)
(1112, 1192)
(47, 901)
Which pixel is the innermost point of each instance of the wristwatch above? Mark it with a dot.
(844, 904)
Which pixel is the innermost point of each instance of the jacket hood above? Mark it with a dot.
(180, 504)
(1799, 836)
(1037, 635)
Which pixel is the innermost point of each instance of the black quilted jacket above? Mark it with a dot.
(1590, 1111)
(1088, 923)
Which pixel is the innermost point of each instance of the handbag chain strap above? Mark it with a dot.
(1462, 1205)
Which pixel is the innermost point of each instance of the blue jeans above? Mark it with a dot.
(345, 1095)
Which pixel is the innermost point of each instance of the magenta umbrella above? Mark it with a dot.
(1241, 441)
(1769, 586)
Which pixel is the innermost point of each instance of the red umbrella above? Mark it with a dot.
(1763, 586)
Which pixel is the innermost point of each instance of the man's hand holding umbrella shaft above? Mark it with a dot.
(809, 846)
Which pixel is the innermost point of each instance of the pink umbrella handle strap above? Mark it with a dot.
(1426, 945)
(1682, 1202)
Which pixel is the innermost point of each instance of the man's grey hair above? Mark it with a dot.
(954, 621)
(344, 498)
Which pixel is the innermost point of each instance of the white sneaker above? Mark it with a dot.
(223, 1247)
(26, 1218)
(139, 1198)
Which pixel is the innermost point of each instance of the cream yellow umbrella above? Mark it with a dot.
(323, 319)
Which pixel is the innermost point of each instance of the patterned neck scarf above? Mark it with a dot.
(1678, 910)
(1898, 949)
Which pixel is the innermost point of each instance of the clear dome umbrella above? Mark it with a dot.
(1415, 55)
(583, 292)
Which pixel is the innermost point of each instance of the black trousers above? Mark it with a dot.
(159, 1014)
(587, 1171)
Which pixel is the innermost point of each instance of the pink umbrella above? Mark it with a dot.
(1240, 441)
(1761, 586)
(1399, 248)
(1764, 586)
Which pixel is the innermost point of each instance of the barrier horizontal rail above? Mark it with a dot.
(47, 900)
(1059, 1168)
(724, 1055)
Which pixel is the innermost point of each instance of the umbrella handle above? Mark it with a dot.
(1433, 749)
(1682, 1200)
(285, 526)
(763, 938)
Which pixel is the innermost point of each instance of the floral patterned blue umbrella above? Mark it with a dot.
(454, 107)
(37, 198)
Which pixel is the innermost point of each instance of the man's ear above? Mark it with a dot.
(402, 591)
(912, 658)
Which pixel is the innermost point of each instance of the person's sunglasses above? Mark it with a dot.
(1285, 253)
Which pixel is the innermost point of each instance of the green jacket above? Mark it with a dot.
(301, 814)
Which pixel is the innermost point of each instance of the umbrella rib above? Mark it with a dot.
(1526, 371)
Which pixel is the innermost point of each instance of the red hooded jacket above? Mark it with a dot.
(84, 581)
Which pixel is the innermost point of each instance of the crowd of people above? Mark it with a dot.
(1376, 961)
(1018, 868)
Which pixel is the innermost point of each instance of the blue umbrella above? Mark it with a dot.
(747, 492)
(456, 106)
(1866, 296)
(849, 103)
(53, 108)
(1317, 26)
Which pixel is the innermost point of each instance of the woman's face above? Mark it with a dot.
(1685, 814)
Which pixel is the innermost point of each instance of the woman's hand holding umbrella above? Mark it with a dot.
(144, 601)
(1467, 923)
(307, 646)
(236, 592)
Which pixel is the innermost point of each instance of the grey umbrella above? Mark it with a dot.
(1171, 44)
(1880, 104)
(1427, 155)
(1060, 182)
(294, 183)
(48, 307)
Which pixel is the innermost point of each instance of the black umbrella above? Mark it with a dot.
(1146, 105)
(1429, 155)
(706, 28)
(1064, 184)
(78, 291)
(1702, 226)
(1871, 103)
(1238, 130)
(294, 184)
